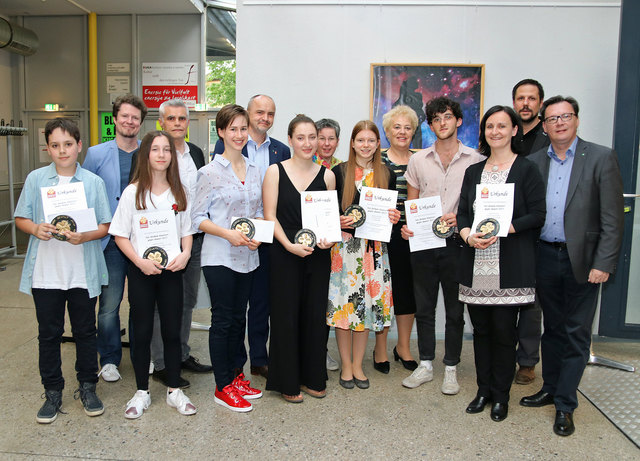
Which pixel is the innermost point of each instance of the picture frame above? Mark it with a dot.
(416, 84)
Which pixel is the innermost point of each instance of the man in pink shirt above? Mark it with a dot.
(439, 170)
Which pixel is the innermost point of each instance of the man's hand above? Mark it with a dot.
(596, 276)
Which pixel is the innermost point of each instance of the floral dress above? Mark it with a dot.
(360, 283)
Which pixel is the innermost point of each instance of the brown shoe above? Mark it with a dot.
(260, 371)
(525, 375)
(313, 393)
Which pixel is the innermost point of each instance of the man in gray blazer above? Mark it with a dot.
(578, 251)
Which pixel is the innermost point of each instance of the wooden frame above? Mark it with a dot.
(415, 84)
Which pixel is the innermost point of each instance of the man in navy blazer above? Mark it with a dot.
(111, 161)
(578, 250)
(263, 151)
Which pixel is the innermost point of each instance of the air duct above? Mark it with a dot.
(17, 39)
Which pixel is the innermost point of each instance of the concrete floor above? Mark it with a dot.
(386, 421)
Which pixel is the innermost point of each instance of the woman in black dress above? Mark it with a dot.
(300, 274)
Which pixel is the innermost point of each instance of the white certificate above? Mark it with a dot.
(264, 229)
(63, 198)
(376, 204)
(321, 214)
(420, 215)
(157, 235)
(82, 220)
(494, 201)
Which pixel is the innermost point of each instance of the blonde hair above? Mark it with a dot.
(399, 111)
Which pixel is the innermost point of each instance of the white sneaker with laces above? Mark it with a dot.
(136, 406)
(110, 373)
(419, 376)
(180, 402)
(450, 384)
(332, 365)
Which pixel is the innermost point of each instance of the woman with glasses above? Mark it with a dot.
(497, 275)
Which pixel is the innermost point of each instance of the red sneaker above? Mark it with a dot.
(231, 398)
(244, 388)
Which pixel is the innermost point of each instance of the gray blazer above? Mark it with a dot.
(594, 214)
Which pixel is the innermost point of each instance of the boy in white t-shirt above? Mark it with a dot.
(64, 268)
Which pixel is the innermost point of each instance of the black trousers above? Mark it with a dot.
(404, 301)
(569, 308)
(432, 268)
(229, 292)
(50, 305)
(298, 343)
(529, 333)
(494, 348)
(145, 291)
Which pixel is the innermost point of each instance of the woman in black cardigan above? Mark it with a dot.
(497, 275)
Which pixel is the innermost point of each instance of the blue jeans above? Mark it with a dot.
(109, 341)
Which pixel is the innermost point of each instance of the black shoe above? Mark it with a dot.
(260, 371)
(347, 383)
(51, 407)
(539, 399)
(92, 404)
(478, 404)
(362, 383)
(564, 423)
(408, 364)
(193, 364)
(499, 411)
(382, 367)
(161, 375)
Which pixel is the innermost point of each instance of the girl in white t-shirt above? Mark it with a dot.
(155, 186)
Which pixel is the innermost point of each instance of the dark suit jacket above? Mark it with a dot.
(277, 150)
(518, 250)
(594, 213)
(195, 151)
(339, 170)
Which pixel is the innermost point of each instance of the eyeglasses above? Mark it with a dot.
(445, 117)
(554, 118)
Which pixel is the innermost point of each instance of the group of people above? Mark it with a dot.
(563, 241)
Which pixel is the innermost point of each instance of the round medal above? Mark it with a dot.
(63, 223)
(357, 213)
(441, 228)
(245, 226)
(489, 227)
(305, 237)
(156, 254)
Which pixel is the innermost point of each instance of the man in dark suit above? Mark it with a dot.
(174, 119)
(527, 96)
(263, 151)
(578, 251)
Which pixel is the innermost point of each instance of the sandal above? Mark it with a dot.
(293, 398)
(313, 393)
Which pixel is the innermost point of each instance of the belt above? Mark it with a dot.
(560, 245)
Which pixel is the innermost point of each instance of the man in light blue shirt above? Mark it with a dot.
(111, 161)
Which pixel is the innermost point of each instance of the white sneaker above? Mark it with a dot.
(137, 405)
(332, 365)
(450, 384)
(419, 376)
(110, 373)
(151, 367)
(180, 402)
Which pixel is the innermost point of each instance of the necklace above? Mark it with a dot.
(496, 166)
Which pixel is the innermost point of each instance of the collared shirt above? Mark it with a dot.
(529, 138)
(220, 196)
(557, 189)
(426, 173)
(188, 172)
(328, 165)
(259, 155)
(30, 206)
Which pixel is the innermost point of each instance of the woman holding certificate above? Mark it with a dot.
(360, 289)
(399, 125)
(228, 191)
(497, 274)
(155, 199)
(300, 272)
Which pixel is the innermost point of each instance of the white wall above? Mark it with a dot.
(315, 58)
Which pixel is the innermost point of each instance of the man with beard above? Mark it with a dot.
(263, 151)
(111, 161)
(528, 95)
(439, 170)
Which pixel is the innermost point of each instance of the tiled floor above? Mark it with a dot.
(386, 421)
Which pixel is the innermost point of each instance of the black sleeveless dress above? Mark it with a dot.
(299, 289)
